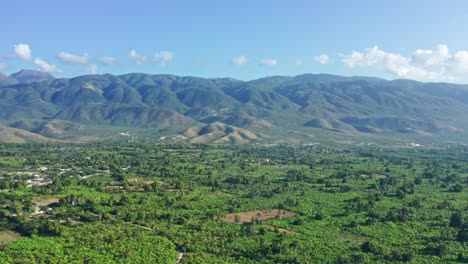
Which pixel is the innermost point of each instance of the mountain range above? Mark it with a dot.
(231, 110)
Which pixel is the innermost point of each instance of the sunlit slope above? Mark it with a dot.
(319, 101)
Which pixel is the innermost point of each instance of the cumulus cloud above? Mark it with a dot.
(430, 58)
(108, 61)
(136, 57)
(162, 58)
(268, 62)
(458, 63)
(92, 69)
(23, 51)
(322, 58)
(425, 65)
(46, 67)
(2, 66)
(70, 58)
(241, 60)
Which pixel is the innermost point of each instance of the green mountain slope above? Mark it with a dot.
(278, 103)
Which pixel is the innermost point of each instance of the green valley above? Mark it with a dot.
(130, 201)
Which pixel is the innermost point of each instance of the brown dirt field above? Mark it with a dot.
(45, 201)
(262, 215)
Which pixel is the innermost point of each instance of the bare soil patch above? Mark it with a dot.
(262, 215)
(45, 201)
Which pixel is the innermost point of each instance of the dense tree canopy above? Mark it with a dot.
(140, 202)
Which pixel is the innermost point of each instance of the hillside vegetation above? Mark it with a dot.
(326, 102)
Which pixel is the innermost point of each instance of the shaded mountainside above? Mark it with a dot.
(6, 80)
(52, 128)
(25, 76)
(30, 76)
(278, 103)
(121, 115)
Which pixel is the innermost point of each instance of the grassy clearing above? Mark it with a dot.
(7, 237)
(282, 230)
(45, 201)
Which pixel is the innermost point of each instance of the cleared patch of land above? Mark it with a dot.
(8, 236)
(45, 201)
(282, 230)
(140, 180)
(378, 176)
(262, 215)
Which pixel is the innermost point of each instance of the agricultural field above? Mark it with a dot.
(8, 236)
(143, 202)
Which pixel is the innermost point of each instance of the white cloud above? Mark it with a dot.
(424, 65)
(69, 58)
(92, 69)
(268, 62)
(298, 62)
(137, 58)
(430, 58)
(2, 66)
(108, 61)
(46, 67)
(162, 58)
(458, 63)
(23, 51)
(241, 60)
(322, 58)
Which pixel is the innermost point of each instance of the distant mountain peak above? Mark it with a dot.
(32, 72)
(30, 76)
(5, 80)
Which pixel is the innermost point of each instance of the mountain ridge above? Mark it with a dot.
(358, 104)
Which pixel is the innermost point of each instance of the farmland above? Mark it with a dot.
(109, 202)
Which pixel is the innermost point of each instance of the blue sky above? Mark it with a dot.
(423, 40)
